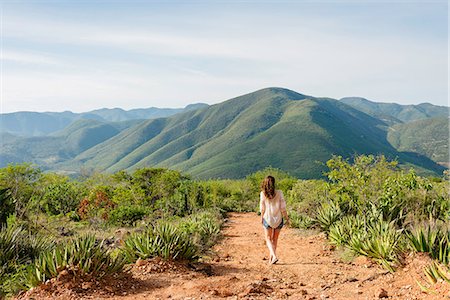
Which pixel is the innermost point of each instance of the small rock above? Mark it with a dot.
(362, 261)
(406, 287)
(140, 262)
(86, 285)
(303, 292)
(45, 286)
(323, 296)
(109, 289)
(383, 294)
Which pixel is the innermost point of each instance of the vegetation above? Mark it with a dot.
(428, 137)
(368, 206)
(233, 139)
(374, 209)
(168, 214)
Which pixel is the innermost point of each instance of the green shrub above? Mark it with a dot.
(301, 221)
(203, 228)
(342, 231)
(432, 240)
(6, 205)
(85, 257)
(328, 214)
(61, 198)
(18, 247)
(164, 240)
(127, 215)
(381, 242)
(73, 216)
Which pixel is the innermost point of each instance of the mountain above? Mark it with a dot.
(429, 137)
(29, 124)
(118, 114)
(61, 146)
(393, 113)
(270, 127)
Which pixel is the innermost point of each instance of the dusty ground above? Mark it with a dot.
(307, 269)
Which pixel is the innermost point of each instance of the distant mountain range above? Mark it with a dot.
(271, 127)
(40, 124)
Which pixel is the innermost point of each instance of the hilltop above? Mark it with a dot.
(270, 127)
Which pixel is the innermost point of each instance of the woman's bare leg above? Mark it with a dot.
(268, 235)
(275, 236)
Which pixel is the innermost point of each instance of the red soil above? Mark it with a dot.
(308, 268)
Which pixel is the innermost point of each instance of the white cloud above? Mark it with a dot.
(105, 65)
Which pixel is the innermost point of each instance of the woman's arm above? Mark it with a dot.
(283, 208)
(262, 205)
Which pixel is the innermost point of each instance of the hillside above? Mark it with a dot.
(270, 127)
(29, 124)
(428, 137)
(393, 113)
(63, 145)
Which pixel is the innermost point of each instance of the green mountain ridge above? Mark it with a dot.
(27, 124)
(429, 137)
(270, 127)
(394, 113)
(61, 146)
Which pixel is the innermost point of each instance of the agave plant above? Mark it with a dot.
(381, 242)
(83, 256)
(432, 240)
(328, 214)
(298, 220)
(436, 271)
(342, 231)
(164, 240)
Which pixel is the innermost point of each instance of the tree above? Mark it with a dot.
(21, 180)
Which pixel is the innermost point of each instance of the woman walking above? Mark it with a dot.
(273, 208)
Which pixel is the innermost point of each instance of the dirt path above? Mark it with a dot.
(307, 269)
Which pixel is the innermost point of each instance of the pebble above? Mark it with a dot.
(383, 294)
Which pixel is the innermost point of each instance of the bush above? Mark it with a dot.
(327, 215)
(203, 228)
(17, 248)
(342, 231)
(164, 240)
(432, 240)
(127, 215)
(6, 205)
(60, 198)
(381, 242)
(300, 220)
(83, 257)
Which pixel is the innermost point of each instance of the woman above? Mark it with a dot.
(273, 208)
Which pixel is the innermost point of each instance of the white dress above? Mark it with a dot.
(273, 208)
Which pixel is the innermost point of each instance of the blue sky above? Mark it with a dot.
(84, 55)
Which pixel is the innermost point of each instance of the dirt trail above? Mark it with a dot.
(307, 269)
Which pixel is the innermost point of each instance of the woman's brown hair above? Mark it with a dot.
(268, 187)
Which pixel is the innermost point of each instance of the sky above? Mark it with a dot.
(85, 55)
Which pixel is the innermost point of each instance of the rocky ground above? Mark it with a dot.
(308, 268)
